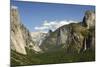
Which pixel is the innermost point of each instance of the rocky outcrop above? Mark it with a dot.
(89, 19)
(20, 36)
(74, 37)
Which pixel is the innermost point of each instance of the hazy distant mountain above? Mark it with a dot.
(38, 37)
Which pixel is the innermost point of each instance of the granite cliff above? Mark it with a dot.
(21, 38)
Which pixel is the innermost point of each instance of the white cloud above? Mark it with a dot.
(14, 7)
(53, 25)
(41, 28)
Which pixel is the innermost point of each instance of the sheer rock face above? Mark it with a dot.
(89, 19)
(20, 36)
(73, 37)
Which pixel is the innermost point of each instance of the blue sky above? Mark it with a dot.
(33, 14)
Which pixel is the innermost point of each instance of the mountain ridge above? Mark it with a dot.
(74, 33)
